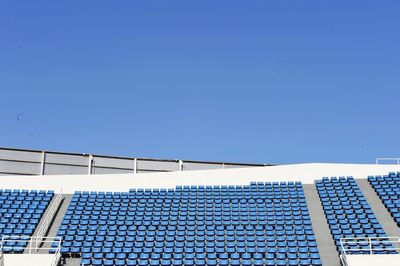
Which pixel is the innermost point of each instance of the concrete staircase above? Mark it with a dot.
(381, 213)
(326, 245)
(53, 228)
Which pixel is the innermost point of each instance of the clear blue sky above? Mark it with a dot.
(246, 81)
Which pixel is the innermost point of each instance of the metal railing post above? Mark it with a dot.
(135, 164)
(42, 163)
(90, 164)
(30, 246)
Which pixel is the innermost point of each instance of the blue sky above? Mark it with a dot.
(245, 81)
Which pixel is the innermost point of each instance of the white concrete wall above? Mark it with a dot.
(306, 173)
(373, 260)
(28, 259)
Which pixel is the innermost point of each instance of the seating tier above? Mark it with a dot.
(348, 213)
(388, 189)
(20, 213)
(256, 224)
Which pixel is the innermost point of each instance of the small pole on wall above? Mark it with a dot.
(42, 163)
(135, 165)
(90, 164)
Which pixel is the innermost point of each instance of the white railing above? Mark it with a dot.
(370, 241)
(57, 252)
(378, 160)
(52, 209)
(32, 242)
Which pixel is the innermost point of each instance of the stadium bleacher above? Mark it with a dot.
(388, 189)
(258, 224)
(348, 213)
(20, 212)
(208, 221)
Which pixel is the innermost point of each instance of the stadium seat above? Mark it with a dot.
(20, 213)
(256, 224)
(348, 212)
(388, 189)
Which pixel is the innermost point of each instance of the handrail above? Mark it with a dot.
(48, 218)
(32, 241)
(366, 240)
(22, 238)
(57, 253)
(388, 159)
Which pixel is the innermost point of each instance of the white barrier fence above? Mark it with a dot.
(350, 246)
(31, 245)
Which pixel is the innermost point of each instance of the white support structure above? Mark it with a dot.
(52, 209)
(42, 162)
(387, 255)
(32, 256)
(180, 165)
(90, 164)
(397, 160)
(135, 165)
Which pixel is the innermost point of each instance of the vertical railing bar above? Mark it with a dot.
(135, 165)
(42, 163)
(30, 246)
(90, 164)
